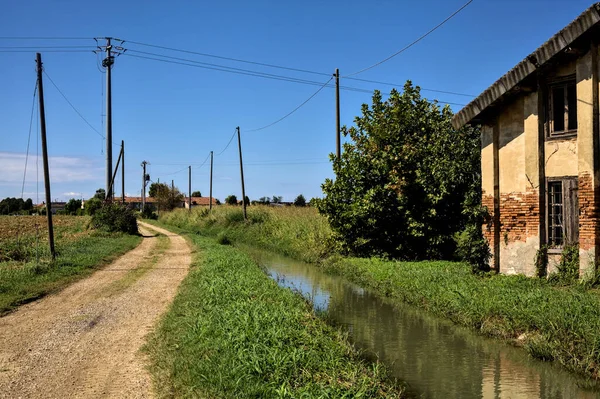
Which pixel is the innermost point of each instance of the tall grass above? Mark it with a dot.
(80, 252)
(293, 231)
(233, 333)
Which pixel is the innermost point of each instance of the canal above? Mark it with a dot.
(434, 357)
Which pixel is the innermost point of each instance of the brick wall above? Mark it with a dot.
(519, 216)
(588, 213)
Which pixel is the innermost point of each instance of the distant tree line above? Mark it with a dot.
(14, 206)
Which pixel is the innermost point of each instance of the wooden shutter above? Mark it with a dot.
(571, 211)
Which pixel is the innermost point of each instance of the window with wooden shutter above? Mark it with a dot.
(562, 212)
(562, 107)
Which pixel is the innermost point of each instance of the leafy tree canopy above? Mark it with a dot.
(73, 206)
(100, 194)
(196, 194)
(10, 206)
(406, 182)
(166, 197)
(300, 200)
(231, 200)
(277, 199)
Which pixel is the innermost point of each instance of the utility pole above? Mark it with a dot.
(338, 147)
(123, 172)
(242, 174)
(144, 163)
(158, 202)
(190, 188)
(211, 173)
(107, 63)
(45, 155)
(172, 192)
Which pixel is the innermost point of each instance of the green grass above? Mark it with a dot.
(550, 322)
(297, 232)
(80, 252)
(231, 332)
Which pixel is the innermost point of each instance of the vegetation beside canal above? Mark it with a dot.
(25, 277)
(233, 333)
(550, 322)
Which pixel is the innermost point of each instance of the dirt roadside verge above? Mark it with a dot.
(85, 340)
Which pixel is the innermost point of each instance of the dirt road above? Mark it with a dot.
(84, 342)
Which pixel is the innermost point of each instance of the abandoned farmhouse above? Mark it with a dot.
(540, 151)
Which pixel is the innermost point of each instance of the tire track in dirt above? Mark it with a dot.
(84, 341)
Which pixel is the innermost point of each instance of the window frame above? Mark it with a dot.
(569, 204)
(564, 83)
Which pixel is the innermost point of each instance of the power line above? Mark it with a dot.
(230, 140)
(44, 47)
(238, 71)
(294, 110)
(203, 163)
(72, 106)
(46, 51)
(198, 64)
(414, 42)
(422, 88)
(42, 38)
(229, 58)
(29, 138)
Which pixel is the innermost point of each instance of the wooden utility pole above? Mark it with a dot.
(112, 181)
(144, 163)
(123, 171)
(158, 202)
(211, 173)
(45, 155)
(338, 146)
(172, 192)
(190, 188)
(107, 63)
(242, 174)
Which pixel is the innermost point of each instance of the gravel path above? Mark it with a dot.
(84, 341)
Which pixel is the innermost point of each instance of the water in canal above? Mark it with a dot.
(436, 358)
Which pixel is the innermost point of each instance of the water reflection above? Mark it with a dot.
(436, 358)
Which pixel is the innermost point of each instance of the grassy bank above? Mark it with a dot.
(23, 278)
(297, 232)
(551, 323)
(233, 333)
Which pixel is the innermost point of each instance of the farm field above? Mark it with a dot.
(27, 270)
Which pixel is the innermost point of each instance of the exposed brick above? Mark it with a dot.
(589, 228)
(519, 216)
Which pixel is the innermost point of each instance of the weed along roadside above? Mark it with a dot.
(231, 332)
(551, 322)
(27, 271)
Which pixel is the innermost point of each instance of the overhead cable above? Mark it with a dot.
(72, 106)
(294, 110)
(414, 42)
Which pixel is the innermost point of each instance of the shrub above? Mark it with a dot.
(115, 217)
(473, 248)
(568, 268)
(148, 213)
(92, 205)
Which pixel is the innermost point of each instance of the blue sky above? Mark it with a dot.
(174, 115)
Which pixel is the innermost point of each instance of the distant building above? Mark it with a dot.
(198, 201)
(54, 206)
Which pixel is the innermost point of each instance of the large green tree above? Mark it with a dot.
(407, 181)
(165, 197)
